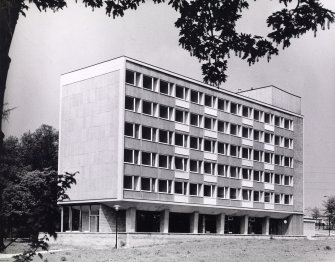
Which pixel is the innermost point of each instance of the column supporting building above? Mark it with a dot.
(266, 226)
(244, 225)
(194, 223)
(131, 220)
(220, 221)
(164, 223)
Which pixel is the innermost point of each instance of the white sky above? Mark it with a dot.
(46, 45)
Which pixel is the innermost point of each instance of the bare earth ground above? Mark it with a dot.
(204, 250)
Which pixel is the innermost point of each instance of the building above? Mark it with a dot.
(178, 155)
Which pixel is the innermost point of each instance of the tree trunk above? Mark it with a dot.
(9, 14)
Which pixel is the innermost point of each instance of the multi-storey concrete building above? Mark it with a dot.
(178, 155)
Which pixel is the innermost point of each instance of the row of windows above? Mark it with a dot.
(203, 167)
(184, 117)
(212, 146)
(203, 190)
(166, 88)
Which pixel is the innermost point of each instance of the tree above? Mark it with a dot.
(315, 213)
(207, 30)
(329, 211)
(37, 151)
(31, 204)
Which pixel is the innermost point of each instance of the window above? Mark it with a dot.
(287, 199)
(234, 129)
(222, 104)
(194, 189)
(267, 177)
(257, 176)
(209, 123)
(209, 145)
(164, 112)
(286, 180)
(267, 118)
(277, 140)
(130, 103)
(148, 159)
(257, 155)
(277, 179)
(246, 174)
(180, 187)
(257, 115)
(129, 182)
(131, 130)
(268, 158)
(194, 166)
(195, 97)
(195, 143)
(163, 161)
(286, 142)
(147, 184)
(267, 197)
(223, 126)
(286, 123)
(234, 108)
(222, 192)
(246, 194)
(277, 160)
(258, 135)
(209, 100)
(277, 198)
(288, 161)
(180, 116)
(209, 168)
(147, 108)
(222, 148)
(268, 138)
(246, 153)
(164, 87)
(148, 82)
(246, 111)
(180, 163)
(233, 193)
(209, 190)
(277, 121)
(131, 156)
(222, 170)
(257, 196)
(181, 92)
(180, 140)
(234, 172)
(246, 132)
(130, 77)
(234, 151)
(149, 133)
(164, 186)
(195, 120)
(163, 136)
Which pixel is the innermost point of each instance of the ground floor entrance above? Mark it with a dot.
(104, 218)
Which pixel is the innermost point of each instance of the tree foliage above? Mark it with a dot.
(316, 213)
(329, 206)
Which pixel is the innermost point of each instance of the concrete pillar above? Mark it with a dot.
(164, 223)
(295, 225)
(70, 218)
(244, 225)
(266, 226)
(220, 223)
(194, 223)
(131, 219)
(61, 219)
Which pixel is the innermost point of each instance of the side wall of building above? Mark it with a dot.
(90, 113)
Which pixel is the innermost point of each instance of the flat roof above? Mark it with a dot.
(194, 81)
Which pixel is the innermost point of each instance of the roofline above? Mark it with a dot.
(251, 89)
(192, 80)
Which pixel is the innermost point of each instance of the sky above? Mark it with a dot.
(47, 44)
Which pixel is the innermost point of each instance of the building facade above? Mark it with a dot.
(177, 155)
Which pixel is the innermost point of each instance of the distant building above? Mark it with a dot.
(178, 155)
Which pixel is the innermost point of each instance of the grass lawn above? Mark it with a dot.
(206, 250)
